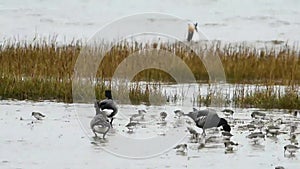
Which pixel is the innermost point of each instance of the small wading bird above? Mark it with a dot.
(291, 149)
(163, 116)
(191, 29)
(229, 146)
(130, 126)
(181, 148)
(226, 135)
(38, 115)
(228, 112)
(138, 117)
(258, 115)
(194, 133)
(100, 124)
(273, 130)
(256, 136)
(178, 113)
(109, 104)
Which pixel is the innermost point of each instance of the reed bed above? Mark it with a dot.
(252, 96)
(43, 70)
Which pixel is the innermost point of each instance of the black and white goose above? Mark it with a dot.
(38, 115)
(100, 124)
(208, 119)
(108, 104)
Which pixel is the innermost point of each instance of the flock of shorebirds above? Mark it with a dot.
(260, 126)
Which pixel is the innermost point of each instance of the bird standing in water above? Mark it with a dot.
(191, 29)
(100, 124)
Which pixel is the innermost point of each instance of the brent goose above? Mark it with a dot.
(207, 119)
(109, 104)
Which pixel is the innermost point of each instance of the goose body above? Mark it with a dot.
(109, 104)
(208, 119)
(100, 124)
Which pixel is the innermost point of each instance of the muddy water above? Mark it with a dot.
(61, 141)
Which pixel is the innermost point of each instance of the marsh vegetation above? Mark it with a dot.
(43, 70)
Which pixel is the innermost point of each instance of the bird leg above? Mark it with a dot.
(95, 135)
(112, 119)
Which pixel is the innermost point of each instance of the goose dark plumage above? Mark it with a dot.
(207, 119)
(108, 103)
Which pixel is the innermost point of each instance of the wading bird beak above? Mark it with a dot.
(196, 24)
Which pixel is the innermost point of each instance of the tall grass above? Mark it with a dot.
(43, 70)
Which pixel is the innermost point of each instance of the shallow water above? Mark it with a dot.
(59, 141)
(248, 20)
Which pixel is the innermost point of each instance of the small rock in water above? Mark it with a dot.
(279, 167)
